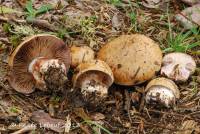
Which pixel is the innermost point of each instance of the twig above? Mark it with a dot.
(175, 114)
(187, 18)
(25, 129)
(37, 22)
(127, 104)
(5, 41)
(160, 126)
(141, 107)
(42, 24)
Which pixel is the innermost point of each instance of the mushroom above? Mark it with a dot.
(40, 61)
(132, 58)
(178, 66)
(94, 76)
(162, 91)
(81, 54)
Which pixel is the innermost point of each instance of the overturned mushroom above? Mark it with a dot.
(41, 61)
(81, 54)
(132, 58)
(178, 66)
(162, 91)
(93, 77)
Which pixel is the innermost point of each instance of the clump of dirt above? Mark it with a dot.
(55, 79)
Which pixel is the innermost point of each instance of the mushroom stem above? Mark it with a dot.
(162, 95)
(92, 86)
(43, 68)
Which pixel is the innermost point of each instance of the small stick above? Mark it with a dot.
(37, 22)
(25, 129)
(128, 104)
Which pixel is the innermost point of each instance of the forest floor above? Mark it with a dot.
(93, 23)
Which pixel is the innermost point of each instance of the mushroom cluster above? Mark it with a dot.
(136, 58)
(40, 61)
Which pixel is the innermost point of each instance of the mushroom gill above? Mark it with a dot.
(34, 60)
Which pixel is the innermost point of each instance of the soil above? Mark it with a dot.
(55, 79)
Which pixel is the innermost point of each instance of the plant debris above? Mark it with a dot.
(45, 121)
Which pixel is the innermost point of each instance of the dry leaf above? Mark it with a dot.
(190, 17)
(191, 2)
(44, 120)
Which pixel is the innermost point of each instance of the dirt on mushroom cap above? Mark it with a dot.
(41, 45)
(132, 58)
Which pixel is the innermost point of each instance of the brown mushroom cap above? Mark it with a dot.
(97, 68)
(81, 54)
(132, 58)
(41, 45)
(165, 83)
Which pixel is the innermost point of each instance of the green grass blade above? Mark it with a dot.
(44, 9)
(98, 125)
(29, 7)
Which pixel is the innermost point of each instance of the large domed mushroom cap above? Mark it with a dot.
(37, 47)
(132, 58)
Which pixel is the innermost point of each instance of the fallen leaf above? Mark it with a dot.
(191, 2)
(45, 121)
(189, 17)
